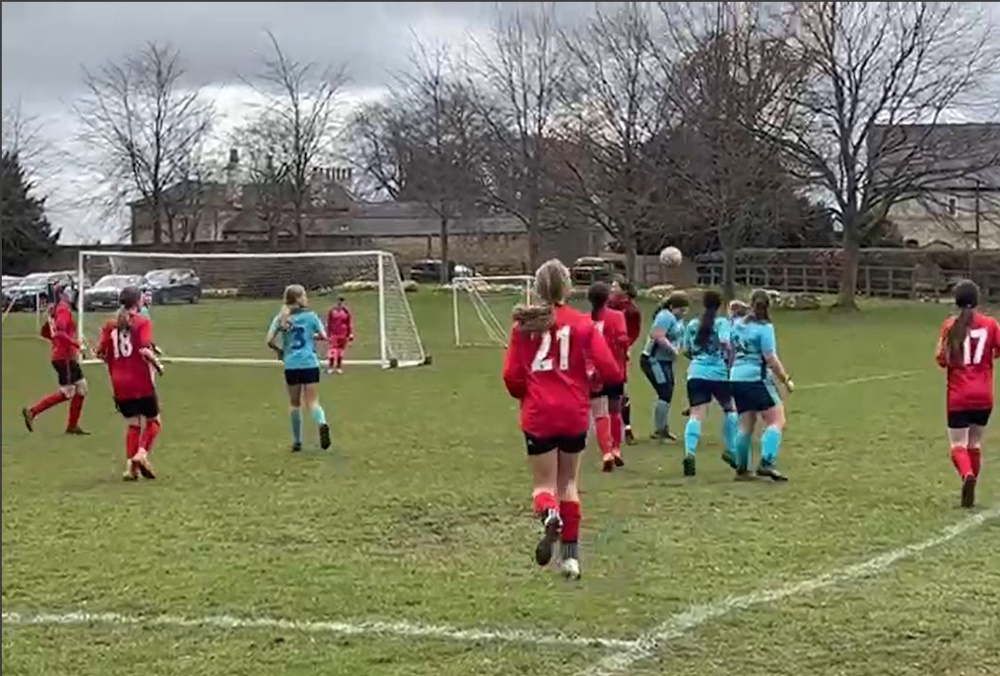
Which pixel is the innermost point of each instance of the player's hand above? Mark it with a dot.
(158, 366)
(789, 385)
(157, 351)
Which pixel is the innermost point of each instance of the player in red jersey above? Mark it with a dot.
(551, 350)
(60, 331)
(968, 345)
(340, 330)
(126, 345)
(623, 299)
(606, 398)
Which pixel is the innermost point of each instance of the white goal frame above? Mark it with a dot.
(467, 285)
(387, 270)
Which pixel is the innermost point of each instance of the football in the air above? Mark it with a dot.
(671, 256)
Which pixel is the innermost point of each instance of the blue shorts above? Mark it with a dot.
(701, 391)
(755, 396)
(302, 376)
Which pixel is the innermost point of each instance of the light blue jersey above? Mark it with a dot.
(297, 340)
(144, 311)
(751, 341)
(673, 328)
(708, 363)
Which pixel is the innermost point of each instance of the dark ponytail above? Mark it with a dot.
(967, 299)
(711, 302)
(760, 305)
(598, 295)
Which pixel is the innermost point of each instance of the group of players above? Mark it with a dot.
(568, 370)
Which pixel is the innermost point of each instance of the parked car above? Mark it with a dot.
(105, 293)
(174, 285)
(590, 269)
(39, 285)
(429, 270)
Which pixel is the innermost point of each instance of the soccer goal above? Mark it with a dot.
(216, 308)
(481, 307)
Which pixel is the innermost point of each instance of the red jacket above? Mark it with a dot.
(970, 379)
(339, 323)
(548, 373)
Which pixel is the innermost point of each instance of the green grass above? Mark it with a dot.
(421, 514)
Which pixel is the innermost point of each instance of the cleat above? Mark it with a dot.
(766, 469)
(743, 474)
(629, 437)
(969, 492)
(686, 412)
(618, 458)
(729, 459)
(141, 462)
(128, 476)
(668, 436)
(340, 371)
(324, 437)
(570, 569)
(608, 463)
(689, 468)
(329, 372)
(29, 420)
(296, 447)
(553, 526)
(77, 432)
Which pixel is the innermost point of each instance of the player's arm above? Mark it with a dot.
(941, 351)
(350, 323)
(321, 333)
(103, 350)
(329, 322)
(272, 337)
(724, 330)
(603, 359)
(769, 348)
(661, 329)
(633, 323)
(145, 345)
(515, 375)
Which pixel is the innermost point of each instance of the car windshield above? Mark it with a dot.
(114, 282)
(161, 276)
(37, 278)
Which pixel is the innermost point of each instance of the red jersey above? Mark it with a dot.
(339, 323)
(60, 331)
(970, 380)
(131, 374)
(633, 316)
(611, 324)
(548, 373)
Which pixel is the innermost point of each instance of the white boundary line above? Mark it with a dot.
(894, 375)
(363, 628)
(682, 623)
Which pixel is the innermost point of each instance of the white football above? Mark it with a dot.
(671, 256)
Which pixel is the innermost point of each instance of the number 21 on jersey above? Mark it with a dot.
(542, 360)
(974, 347)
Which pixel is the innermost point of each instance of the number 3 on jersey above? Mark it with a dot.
(974, 347)
(121, 343)
(542, 360)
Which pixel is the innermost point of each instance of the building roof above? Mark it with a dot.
(943, 156)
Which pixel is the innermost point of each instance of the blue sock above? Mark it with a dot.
(661, 415)
(692, 435)
(742, 448)
(296, 417)
(318, 414)
(770, 444)
(730, 426)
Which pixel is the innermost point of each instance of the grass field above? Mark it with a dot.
(419, 516)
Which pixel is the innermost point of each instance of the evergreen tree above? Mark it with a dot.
(27, 236)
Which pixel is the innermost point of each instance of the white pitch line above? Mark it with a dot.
(895, 375)
(682, 623)
(392, 629)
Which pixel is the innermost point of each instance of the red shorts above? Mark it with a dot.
(338, 342)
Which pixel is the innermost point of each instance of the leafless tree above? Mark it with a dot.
(885, 78)
(294, 130)
(616, 108)
(520, 69)
(142, 124)
(23, 137)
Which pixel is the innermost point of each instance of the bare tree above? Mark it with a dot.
(885, 77)
(294, 130)
(616, 105)
(142, 125)
(23, 137)
(520, 69)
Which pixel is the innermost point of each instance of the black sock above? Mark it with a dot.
(570, 550)
(627, 412)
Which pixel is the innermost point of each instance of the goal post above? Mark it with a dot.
(481, 308)
(216, 308)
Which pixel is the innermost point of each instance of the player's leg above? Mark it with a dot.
(331, 361)
(615, 417)
(661, 376)
(602, 429)
(977, 429)
(627, 419)
(770, 441)
(730, 421)
(310, 397)
(544, 462)
(64, 377)
(699, 396)
(568, 476)
(133, 434)
(341, 350)
(76, 401)
(294, 407)
(149, 414)
(959, 440)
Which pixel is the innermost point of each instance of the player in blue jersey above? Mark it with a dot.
(754, 392)
(706, 344)
(666, 337)
(299, 327)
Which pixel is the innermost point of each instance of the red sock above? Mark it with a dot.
(976, 460)
(963, 463)
(570, 513)
(75, 409)
(616, 430)
(544, 501)
(47, 402)
(602, 426)
(132, 440)
(149, 434)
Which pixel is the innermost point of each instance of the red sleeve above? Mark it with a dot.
(515, 377)
(104, 344)
(602, 358)
(941, 352)
(350, 322)
(996, 339)
(144, 334)
(633, 323)
(329, 322)
(624, 337)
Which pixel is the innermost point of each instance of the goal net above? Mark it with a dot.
(217, 307)
(482, 306)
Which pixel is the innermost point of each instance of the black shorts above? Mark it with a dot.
(610, 391)
(701, 391)
(566, 444)
(301, 376)
(68, 372)
(147, 407)
(960, 420)
(754, 397)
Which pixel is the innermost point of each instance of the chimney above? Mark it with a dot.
(234, 157)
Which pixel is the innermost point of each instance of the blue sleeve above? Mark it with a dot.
(723, 329)
(664, 321)
(275, 323)
(317, 324)
(768, 343)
